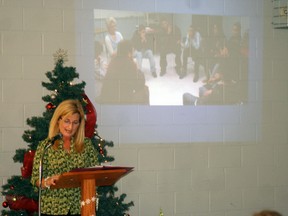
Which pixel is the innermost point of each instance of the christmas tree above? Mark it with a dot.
(19, 193)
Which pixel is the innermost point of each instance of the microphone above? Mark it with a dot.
(52, 140)
(56, 137)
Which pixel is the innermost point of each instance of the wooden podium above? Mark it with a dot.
(88, 179)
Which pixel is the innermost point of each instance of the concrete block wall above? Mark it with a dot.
(184, 179)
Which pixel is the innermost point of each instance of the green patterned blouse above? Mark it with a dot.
(61, 201)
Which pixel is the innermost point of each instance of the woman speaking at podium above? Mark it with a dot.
(66, 148)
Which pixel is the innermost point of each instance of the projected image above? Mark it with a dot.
(170, 59)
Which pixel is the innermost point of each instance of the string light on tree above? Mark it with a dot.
(54, 94)
(101, 141)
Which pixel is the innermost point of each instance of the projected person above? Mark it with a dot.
(192, 47)
(143, 44)
(235, 65)
(113, 37)
(245, 45)
(210, 93)
(169, 41)
(215, 50)
(234, 42)
(234, 53)
(124, 83)
(218, 90)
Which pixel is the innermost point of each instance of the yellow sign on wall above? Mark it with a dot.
(283, 11)
(280, 14)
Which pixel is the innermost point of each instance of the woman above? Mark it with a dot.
(71, 151)
(192, 47)
(113, 37)
(143, 42)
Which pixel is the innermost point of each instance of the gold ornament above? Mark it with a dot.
(60, 55)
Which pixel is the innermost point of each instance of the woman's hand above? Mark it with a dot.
(49, 181)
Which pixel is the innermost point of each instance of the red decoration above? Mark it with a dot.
(50, 106)
(26, 169)
(21, 203)
(91, 117)
(12, 187)
(5, 204)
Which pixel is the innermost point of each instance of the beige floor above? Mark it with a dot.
(168, 89)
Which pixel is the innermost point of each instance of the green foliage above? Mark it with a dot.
(15, 213)
(109, 204)
(98, 143)
(19, 186)
(61, 84)
(19, 156)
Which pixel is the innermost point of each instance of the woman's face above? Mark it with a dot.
(191, 31)
(112, 27)
(69, 125)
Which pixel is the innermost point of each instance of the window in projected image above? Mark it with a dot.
(170, 59)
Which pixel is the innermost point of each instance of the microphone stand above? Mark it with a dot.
(40, 176)
(51, 142)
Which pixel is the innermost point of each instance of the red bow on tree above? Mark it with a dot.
(91, 117)
(21, 202)
(26, 169)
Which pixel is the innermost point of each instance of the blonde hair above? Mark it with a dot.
(110, 20)
(267, 213)
(64, 109)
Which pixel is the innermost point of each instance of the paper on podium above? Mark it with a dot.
(102, 167)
